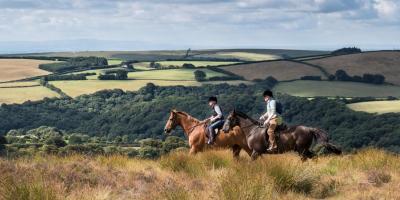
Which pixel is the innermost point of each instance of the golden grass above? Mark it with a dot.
(14, 69)
(379, 107)
(20, 95)
(281, 70)
(213, 174)
(336, 88)
(385, 63)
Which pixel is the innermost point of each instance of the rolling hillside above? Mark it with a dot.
(386, 63)
(336, 88)
(281, 70)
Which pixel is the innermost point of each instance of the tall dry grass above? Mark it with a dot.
(368, 174)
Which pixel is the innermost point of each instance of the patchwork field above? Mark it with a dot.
(20, 95)
(14, 69)
(379, 107)
(334, 88)
(386, 63)
(281, 70)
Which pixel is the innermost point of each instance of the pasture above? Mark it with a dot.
(379, 107)
(281, 70)
(367, 174)
(171, 74)
(335, 88)
(386, 63)
(15, 69)
(20, 95)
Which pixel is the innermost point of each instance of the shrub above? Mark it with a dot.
(188, 66)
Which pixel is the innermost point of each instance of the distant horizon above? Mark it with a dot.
(82, 45)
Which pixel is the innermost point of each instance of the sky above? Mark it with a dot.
(45, 25)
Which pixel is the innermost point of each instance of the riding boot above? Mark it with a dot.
(211, 137)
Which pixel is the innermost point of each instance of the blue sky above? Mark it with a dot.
(172, 24)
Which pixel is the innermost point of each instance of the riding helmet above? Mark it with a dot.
(268, 93)
(212, 99)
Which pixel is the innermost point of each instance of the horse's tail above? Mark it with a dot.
(322, 138)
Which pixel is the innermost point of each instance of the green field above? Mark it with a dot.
(379, 107)
(20, 95)
(334, 88)
(114, 61)
(171, 74)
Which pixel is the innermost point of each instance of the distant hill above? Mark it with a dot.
(386, 63)
(194, 54)
(281, 70)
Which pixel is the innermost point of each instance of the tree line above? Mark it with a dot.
(142, 114)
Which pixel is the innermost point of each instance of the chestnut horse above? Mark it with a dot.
(296, 138)
(195, 130)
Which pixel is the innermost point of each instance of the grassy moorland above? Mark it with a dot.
(336, 88)
(379, 107)
(14, 69)
(368, 174)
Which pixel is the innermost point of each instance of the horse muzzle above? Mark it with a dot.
(167, 131)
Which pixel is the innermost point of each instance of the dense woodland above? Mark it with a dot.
(139, 115)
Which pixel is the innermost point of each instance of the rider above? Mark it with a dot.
(271, 119)
(217, 119)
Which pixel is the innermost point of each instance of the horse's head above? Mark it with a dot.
(230, 121)
(171, 123)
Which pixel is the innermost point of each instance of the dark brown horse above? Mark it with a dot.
(195, 130)
(296, 138)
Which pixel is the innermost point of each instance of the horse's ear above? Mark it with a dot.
(173, 110)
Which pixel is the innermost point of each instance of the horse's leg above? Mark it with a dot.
(192, 150)
(236, 151)
(254, 155)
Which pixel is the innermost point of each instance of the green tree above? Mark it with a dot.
(199, 75)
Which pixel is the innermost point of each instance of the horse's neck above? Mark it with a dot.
(186, 123)
(246, 125)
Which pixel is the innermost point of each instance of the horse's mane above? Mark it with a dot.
(188, 116)
(245, 116)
